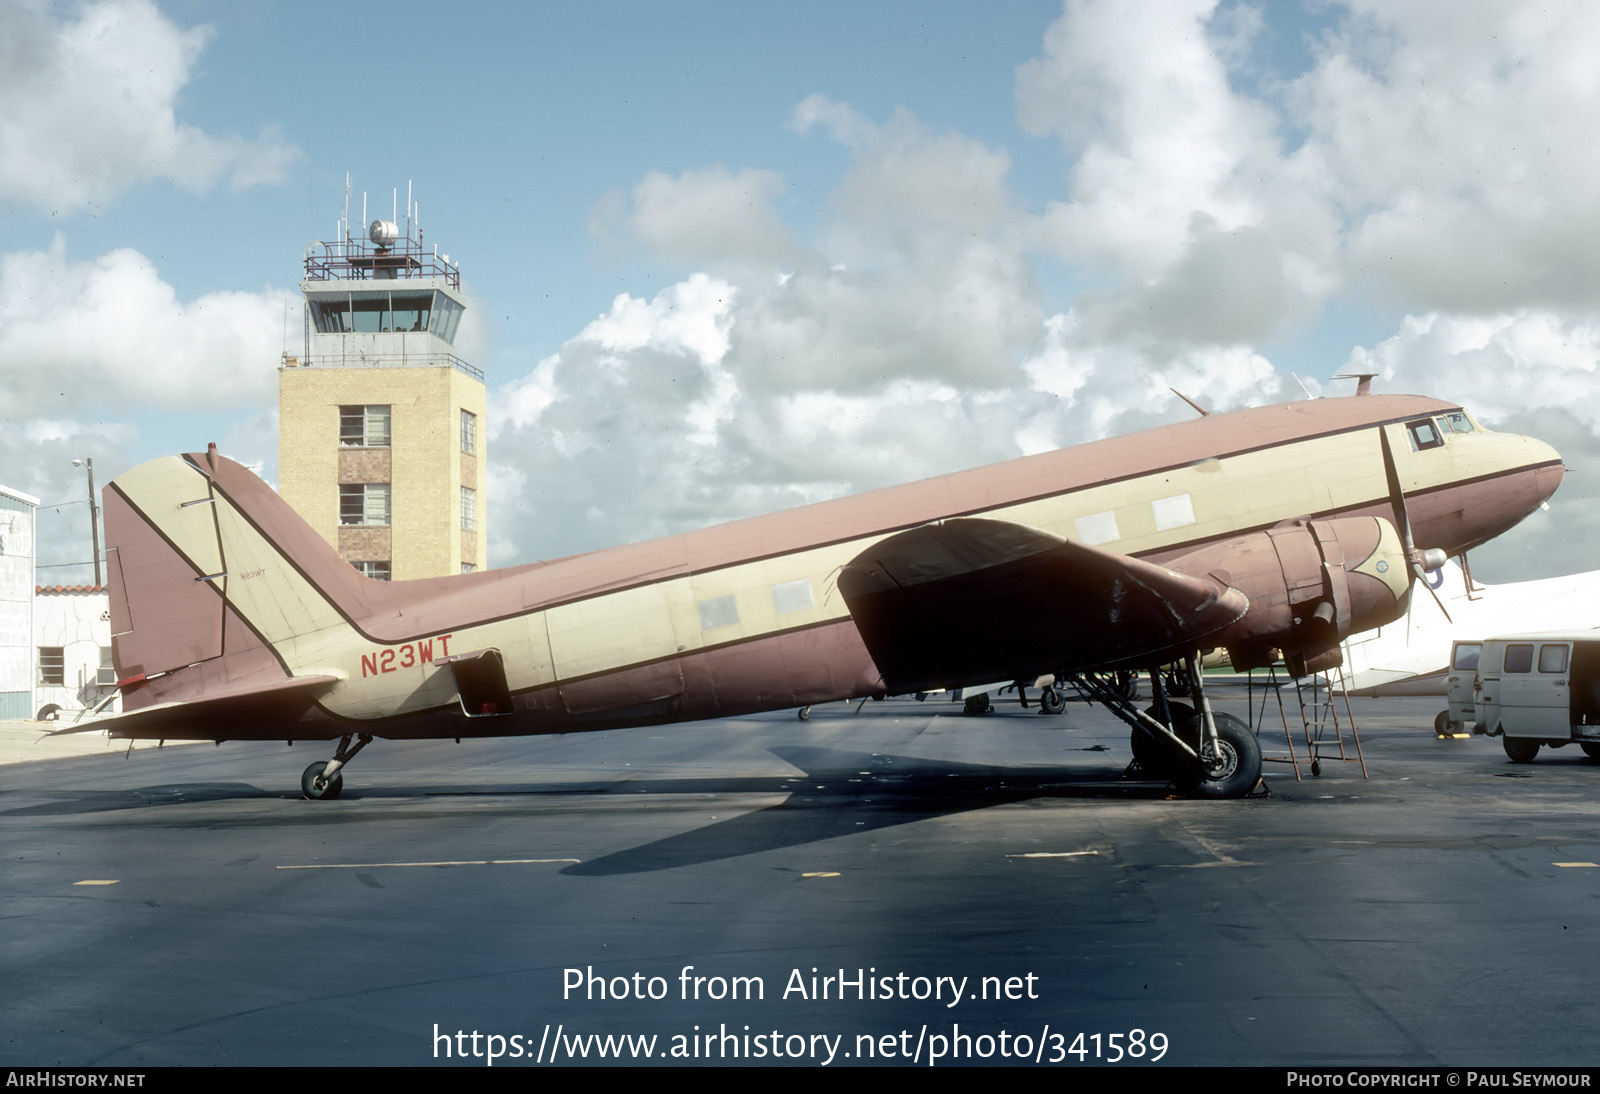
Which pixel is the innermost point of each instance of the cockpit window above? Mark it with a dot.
(1455, 423)
(1424, 434)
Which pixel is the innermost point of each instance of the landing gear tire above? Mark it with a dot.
(1591, 749)
(315, 787)
(1051, 701)
(1228, 768)
(804, 714)
(1442, 725)
(978, 704)
(1520, 749)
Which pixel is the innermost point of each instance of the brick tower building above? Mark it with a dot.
(380, 424)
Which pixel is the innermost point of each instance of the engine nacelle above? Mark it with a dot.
(1311, 584)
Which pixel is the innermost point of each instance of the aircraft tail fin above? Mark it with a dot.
(206, 559)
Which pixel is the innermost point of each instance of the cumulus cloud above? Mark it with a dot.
(711, 214)
(1430, 161)
(1458, 139)
(110, 331)
(88, 106)
(38, 459)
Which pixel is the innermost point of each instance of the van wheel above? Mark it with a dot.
(1442, 725)
(1591, 749)
(1520, 749)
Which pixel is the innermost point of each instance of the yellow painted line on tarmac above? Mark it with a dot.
(822, 873)
(1573, 864)
(1053, 854)
(94, 881)
(452, 862)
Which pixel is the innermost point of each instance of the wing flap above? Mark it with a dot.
(972, 599)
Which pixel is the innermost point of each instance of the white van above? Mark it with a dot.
(1539, 689)
(1460, 688)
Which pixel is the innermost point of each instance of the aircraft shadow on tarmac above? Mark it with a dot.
(848, 793)
(840, 793)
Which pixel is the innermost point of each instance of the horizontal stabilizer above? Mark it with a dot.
(948, 604)
(244, 711)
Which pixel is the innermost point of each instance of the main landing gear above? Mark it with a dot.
(1202, 752)
(324, 780)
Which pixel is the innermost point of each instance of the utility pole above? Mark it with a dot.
(94, 518)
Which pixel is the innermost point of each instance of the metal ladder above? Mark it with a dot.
(1321, 726)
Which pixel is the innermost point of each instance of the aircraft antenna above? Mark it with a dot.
(1204, 413)
(1363, 380)
(1302, 384)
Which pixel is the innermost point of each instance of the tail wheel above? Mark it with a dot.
(1051, 701)
(315, 787)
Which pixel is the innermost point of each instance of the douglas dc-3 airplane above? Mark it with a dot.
(1272, 532)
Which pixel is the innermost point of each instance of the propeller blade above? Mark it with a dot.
(1422, 576)
(1397, 496)
(1402, 519)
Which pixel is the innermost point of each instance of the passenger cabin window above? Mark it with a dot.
(1424, 434)
(1519, 658)
(1466, 659)
(1553, 658)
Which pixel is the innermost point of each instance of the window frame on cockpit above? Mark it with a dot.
(1415, 434)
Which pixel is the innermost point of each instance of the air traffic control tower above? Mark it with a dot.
(380, 424)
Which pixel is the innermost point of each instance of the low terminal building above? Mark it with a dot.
(72, 632)
(16, 603)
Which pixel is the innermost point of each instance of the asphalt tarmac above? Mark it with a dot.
(987, 890)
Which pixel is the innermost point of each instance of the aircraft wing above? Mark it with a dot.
(947, 604)
(274, 704)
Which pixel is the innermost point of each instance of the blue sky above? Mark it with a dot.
(728, 257)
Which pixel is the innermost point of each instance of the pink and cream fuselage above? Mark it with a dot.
(235, 620)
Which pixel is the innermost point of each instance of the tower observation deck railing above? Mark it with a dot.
(358, 260)
(387, 360)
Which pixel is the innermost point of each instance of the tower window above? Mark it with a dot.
(378, 571)
(364, 426)
(469, 433)
(469, 509)
(364, 503)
